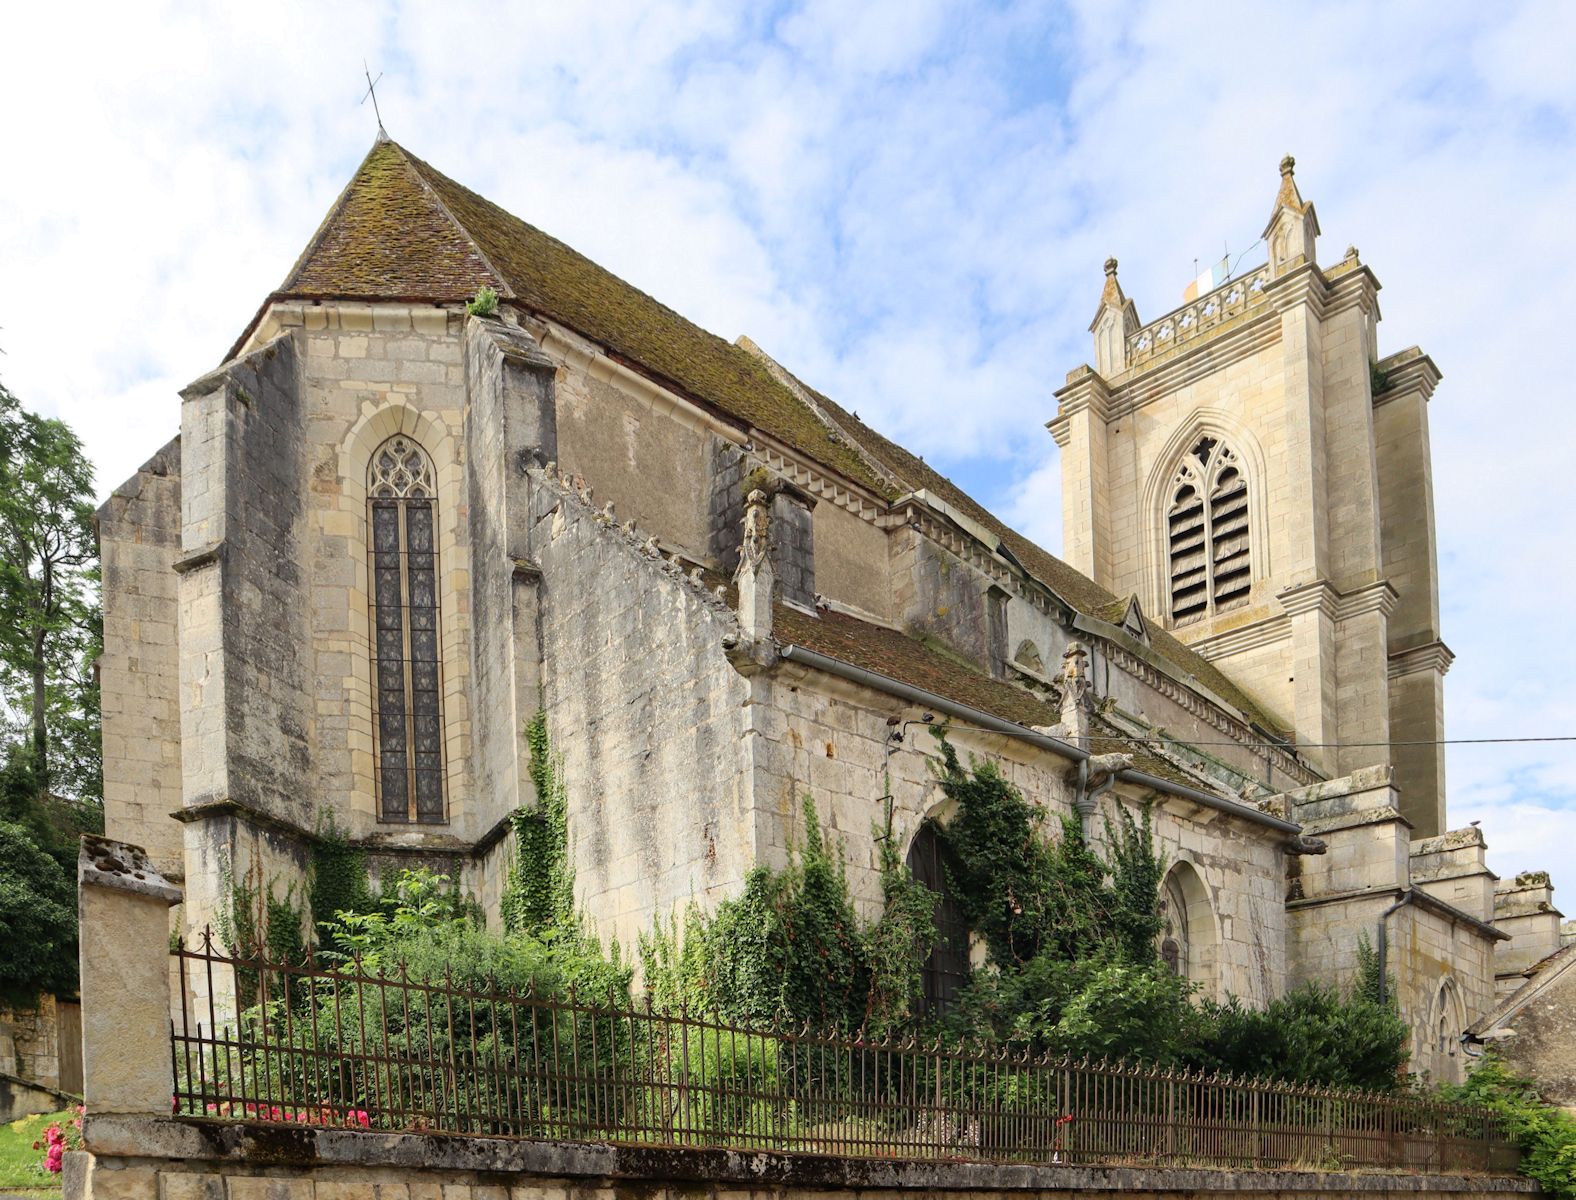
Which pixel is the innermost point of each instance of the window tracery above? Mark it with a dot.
(1207, 533)
(407, 715)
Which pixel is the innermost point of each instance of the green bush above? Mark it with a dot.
(1311, 1035)
(1546, 1135)
(38, 921)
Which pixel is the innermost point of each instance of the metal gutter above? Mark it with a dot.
(985, 720)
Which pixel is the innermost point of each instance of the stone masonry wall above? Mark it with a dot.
(246, 728)
(830, 740)
(647, 713)
(30, 1042)
(139, 530)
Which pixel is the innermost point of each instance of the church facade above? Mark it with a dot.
(392, 531)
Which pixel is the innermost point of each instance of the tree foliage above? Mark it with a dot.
(38, 921)
(1546, 1134)
(50, 627)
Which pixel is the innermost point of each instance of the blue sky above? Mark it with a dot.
(907, 203)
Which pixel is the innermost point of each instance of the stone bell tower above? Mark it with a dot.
(1250, 469)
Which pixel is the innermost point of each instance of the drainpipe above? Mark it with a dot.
(1384, 940)
(1088, 801)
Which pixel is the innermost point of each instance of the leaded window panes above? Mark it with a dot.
(406, 674)
(1207, 534)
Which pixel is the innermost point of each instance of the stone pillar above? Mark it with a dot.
(124, 907)
(1080, 429)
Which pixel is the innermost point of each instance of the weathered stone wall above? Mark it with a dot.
(30, 1042)
(371, 372)
(246, 721)
(139, 530)
(1534, 1030)
(830, 740)
(209, 1160)
(650, 462)
(1440, 956)
(851, 560)
(648, 714)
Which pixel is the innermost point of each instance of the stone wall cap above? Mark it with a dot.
(142, 1138)
(103, 862)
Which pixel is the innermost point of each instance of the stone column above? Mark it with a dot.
(1080, 429)
(124, 907)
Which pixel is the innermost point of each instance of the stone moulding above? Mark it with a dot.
(230, 1146)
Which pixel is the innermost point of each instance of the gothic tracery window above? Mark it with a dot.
(1207, 533)
(407, 714)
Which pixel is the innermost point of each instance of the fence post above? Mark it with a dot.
(124, 908)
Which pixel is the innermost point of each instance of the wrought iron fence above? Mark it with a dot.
(365, 1047)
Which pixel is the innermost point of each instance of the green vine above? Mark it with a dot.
(338, 881)
(540, 892)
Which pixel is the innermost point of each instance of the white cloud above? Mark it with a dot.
(908, 206)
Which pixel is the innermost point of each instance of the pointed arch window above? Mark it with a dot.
(407, 713)
(1207, 533)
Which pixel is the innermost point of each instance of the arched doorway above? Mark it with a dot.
(947, 969)
(1188, 941)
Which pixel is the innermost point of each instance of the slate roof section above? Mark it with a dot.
(402, 230)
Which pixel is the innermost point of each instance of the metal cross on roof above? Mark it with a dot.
(372, 85)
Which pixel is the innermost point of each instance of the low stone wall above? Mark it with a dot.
(181, 1159)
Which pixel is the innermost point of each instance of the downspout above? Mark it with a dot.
(984, 720)
(1384, 940)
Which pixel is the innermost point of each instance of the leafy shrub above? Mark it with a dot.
(1546, 1135)
(38, 921)
(1310, 1035)
(483, 304)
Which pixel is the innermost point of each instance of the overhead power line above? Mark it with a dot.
(1493, 741)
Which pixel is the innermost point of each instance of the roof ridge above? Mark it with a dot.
(413, 165)
(315, 242)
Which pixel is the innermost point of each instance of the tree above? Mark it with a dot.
(50, 627)
(38, 921)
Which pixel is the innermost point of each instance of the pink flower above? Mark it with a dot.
(52, 1159)
(362, 1119)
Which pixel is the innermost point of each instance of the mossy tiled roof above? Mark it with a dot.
(403, 230)
(899, 656)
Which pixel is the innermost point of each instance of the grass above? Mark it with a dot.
(21, 1166)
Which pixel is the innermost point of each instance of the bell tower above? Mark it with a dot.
(1258, 478)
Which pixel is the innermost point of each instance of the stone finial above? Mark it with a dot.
(1293, 226)
(1075, 690)
(1113, 321)
(755, 578)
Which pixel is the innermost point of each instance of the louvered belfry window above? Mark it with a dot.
(1208, 548)
(407, 712)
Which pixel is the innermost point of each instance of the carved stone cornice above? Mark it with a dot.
(1430, 656)
(1259, 634)
(1302, 285)
(1321, 594)
(1084, 391)
(1410, 373)
(1306, 597)
(1377, 597)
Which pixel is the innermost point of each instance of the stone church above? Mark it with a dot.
(391, 531)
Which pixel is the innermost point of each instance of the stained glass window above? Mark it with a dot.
(406, 674)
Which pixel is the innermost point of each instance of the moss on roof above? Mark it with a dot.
(403, 230)
(898, 656)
